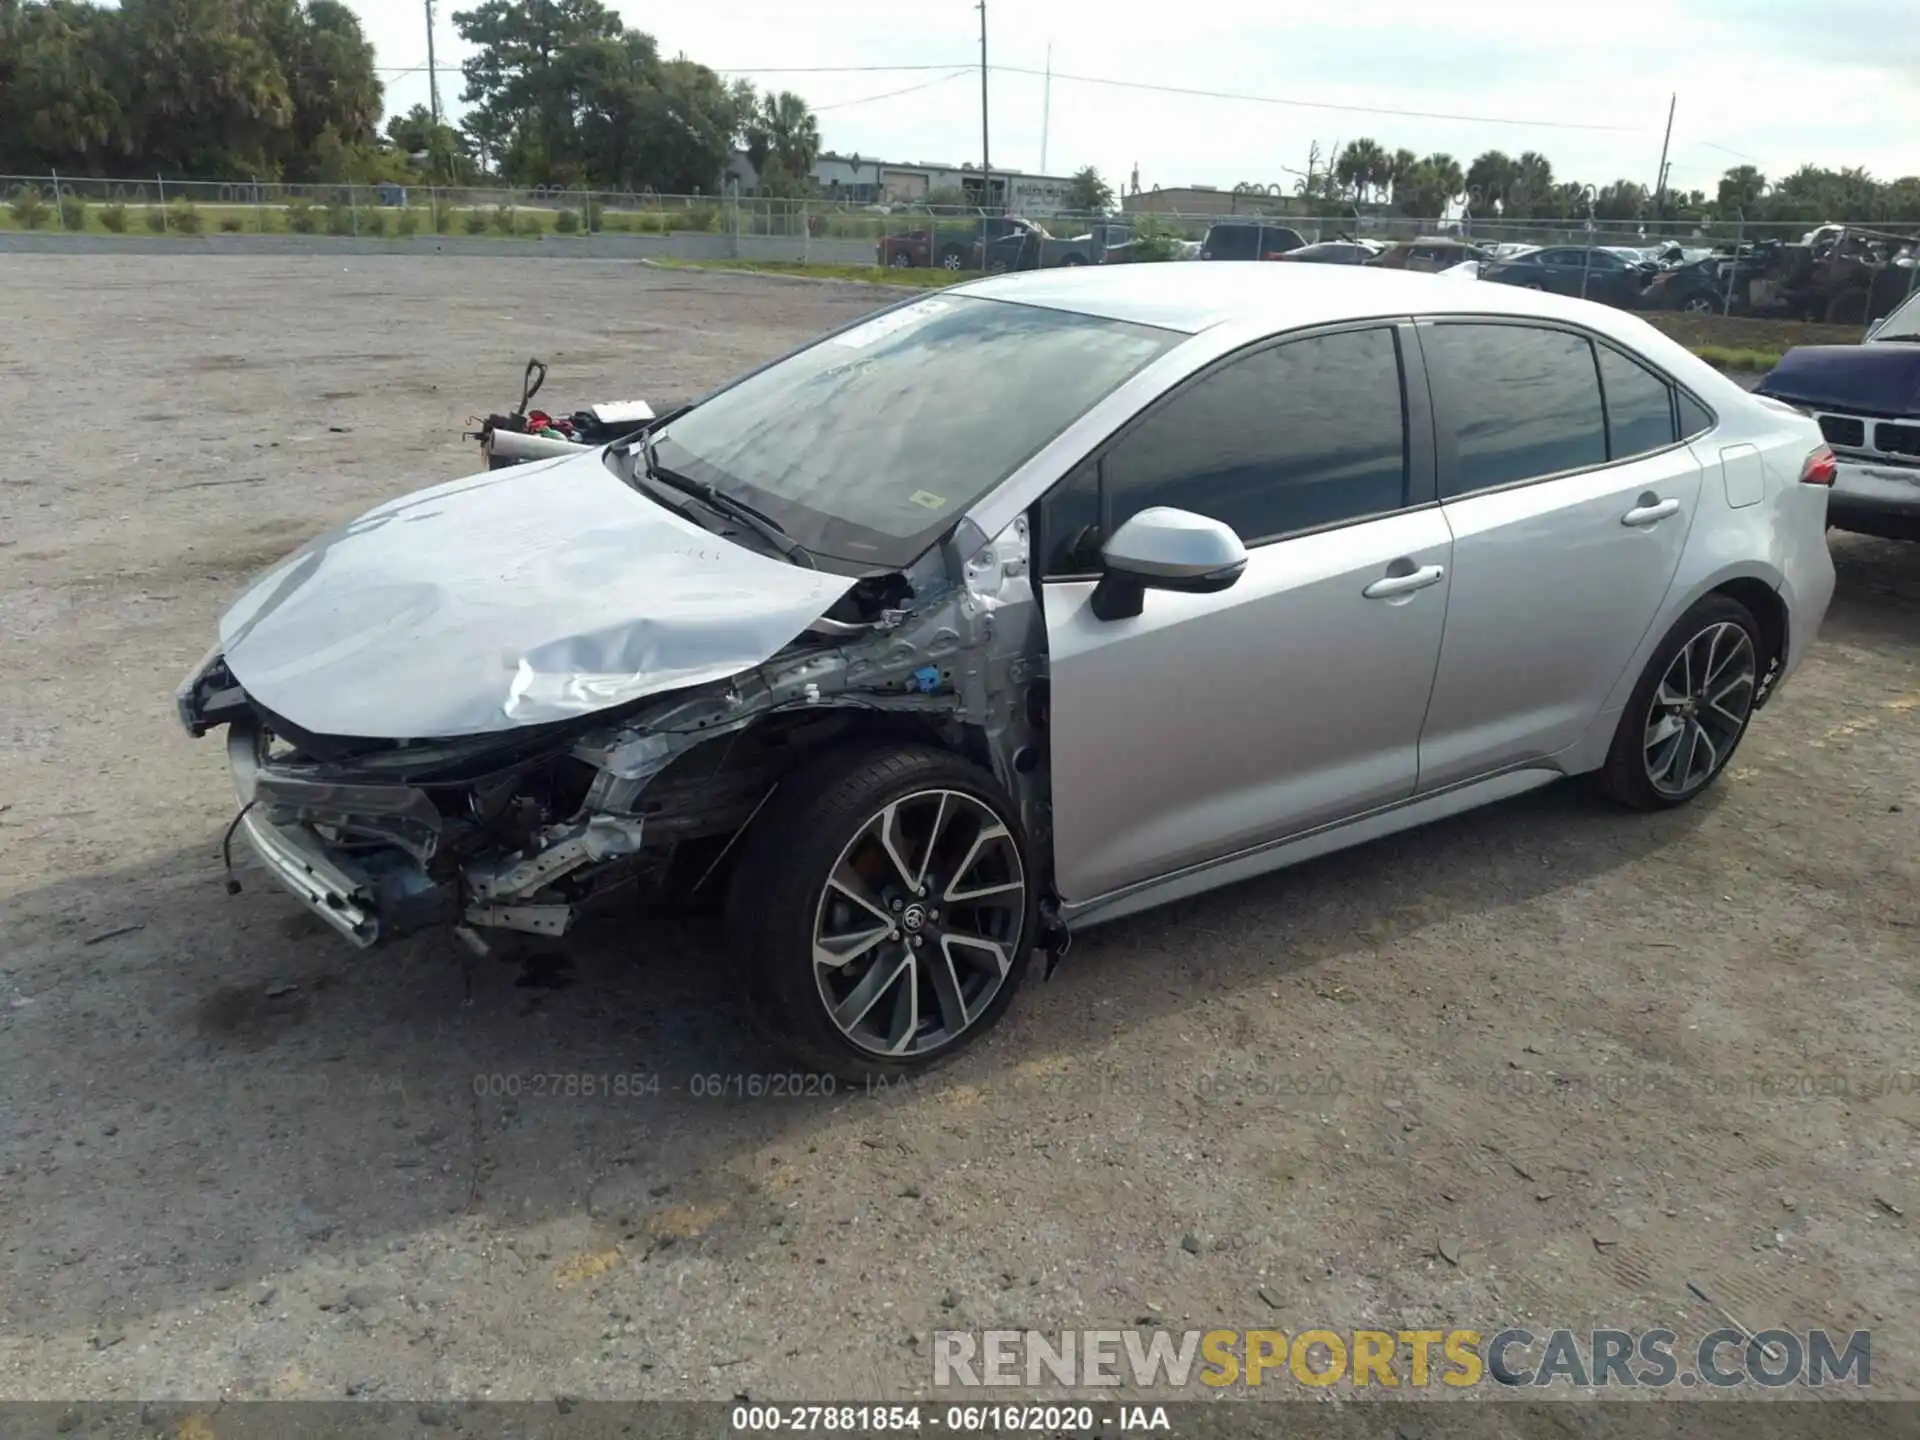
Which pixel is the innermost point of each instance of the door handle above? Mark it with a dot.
(1389, 586)
(1649, 514)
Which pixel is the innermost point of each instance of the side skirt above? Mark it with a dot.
(1245, 865)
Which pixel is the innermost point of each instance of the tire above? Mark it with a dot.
(1648, 770)
(953, 258)
(1073, 260)
(1533, 285)
(901, 260)
(1700, 305)
(784, 908)
(998, 267)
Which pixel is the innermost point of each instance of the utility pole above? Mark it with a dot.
(1660, 185)
(986, 164)
(433, 97)
(1046, 109)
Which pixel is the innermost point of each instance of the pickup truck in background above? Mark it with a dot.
(1032, 247)
(950, 244)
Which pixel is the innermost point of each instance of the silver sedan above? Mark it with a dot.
(1021, 608)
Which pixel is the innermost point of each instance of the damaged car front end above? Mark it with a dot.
(495, 703)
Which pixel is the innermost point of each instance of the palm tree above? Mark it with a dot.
(1360, 167)
(783, 139)
(1399, 172)
(1491, 178)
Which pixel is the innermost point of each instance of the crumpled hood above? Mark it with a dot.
(1881, 377)
(523, 596)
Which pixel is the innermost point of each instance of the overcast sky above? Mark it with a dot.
(1777, 83)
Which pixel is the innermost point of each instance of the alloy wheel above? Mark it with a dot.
(1699, 709)
(918, 923)
(950, 260)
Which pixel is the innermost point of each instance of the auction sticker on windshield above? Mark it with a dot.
(881, 326)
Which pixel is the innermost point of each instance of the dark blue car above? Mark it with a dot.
(1589, 272)
(1867, 400)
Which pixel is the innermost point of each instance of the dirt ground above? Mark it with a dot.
(1548, 1063)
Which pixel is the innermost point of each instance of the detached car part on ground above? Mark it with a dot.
(939, 639)
(1866, 400)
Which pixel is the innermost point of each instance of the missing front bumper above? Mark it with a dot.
(368, 901)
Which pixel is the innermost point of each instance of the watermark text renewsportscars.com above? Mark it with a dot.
(1400, 1359)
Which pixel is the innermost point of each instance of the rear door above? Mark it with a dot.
(1211, 724)
(1569, 496)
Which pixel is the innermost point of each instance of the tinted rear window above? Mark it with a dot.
(1515, 403)
(1233, 242)
(1639, 406)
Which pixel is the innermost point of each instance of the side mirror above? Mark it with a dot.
(1165, 549)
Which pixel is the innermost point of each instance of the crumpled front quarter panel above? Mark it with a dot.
(519, 597)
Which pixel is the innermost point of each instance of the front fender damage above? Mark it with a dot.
(660, 794)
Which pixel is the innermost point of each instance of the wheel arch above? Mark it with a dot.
(1740, 580)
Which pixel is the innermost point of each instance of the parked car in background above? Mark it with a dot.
(1588, 272)
(1431, 254)
(952, 245)
(1713, 285)
(1335, 252)
(1031, 246)
(1074, 596)
(1866, 399)
(1249, 240)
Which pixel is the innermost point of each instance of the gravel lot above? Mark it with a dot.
(1547, 1063)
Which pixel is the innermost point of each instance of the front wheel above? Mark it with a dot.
(953, 258)
(882, 912)
(1689, 710)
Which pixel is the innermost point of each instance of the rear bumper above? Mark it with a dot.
(1876, 499)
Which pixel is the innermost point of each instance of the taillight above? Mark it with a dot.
(1821, 468)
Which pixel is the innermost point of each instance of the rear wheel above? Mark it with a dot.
(1700, 305)
(1689, 710)
(901, 260)
(953, 258)
(881, 912)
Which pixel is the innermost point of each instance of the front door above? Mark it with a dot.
(1569, 496)
(1211, 724)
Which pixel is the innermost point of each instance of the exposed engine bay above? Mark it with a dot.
(523, 827)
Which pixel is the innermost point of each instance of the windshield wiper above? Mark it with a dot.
(765, 526)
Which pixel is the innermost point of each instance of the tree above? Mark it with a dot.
(1532, 192)
(446, 152)
(1622, 200)
(1490, 182)
(783, 141)
(1362, 167)
(1429, 186)
(1088, 193)
(208, 88)
(1740, 190)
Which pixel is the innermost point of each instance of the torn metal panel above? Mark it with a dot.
(520, 597)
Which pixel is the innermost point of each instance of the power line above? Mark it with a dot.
(1194, 92)
(889, 94)
(1316, 104)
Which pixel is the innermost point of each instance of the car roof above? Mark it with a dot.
(1192, 298)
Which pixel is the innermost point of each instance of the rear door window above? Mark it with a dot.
(1639, 406)
(1514, 403)
(1234, 242)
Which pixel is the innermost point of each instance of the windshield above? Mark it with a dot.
(1902, 324)
(866, 446)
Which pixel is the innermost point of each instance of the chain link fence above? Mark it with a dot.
(847, 233)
